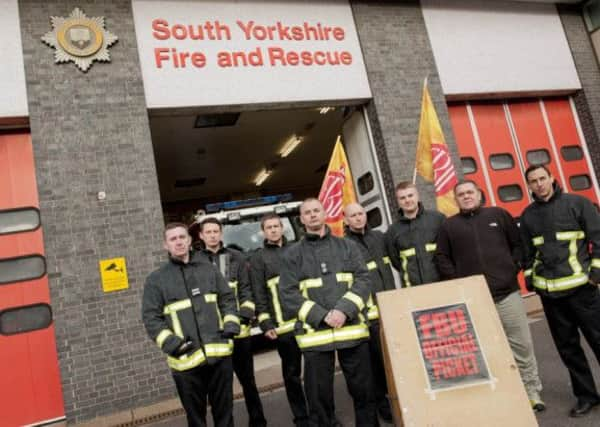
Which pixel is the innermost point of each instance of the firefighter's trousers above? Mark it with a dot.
(207, 381)
(318, 382)
(291, 370)
(243, 366)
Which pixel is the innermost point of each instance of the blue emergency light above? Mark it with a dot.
(238, 204)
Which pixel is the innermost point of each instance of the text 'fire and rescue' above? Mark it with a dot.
(254, 57)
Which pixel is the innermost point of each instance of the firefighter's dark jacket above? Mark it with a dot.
(562, 244)
(190, 301)
(411, 245)
(372, 247)
(319, 274)
(265, 266)
(234, 267)
(484, 241)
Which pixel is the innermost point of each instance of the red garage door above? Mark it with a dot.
(31, 391)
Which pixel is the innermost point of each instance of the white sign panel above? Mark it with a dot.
(208, 53)
(485, 47)
(13, 95)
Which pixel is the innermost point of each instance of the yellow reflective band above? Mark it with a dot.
(219, 349)
(596, 262)
(371, 265)
(570, 235)
(231, 318)
(273, 281)
(272, 284)
(355, 299)
(244, 331)
(573, 261)
(303, 312)
(286, 327)
(370, 302)
(176, 306)
(233, 284)
(562, 284)
(311, 283)
(249, 304)
(408, 252)
(162, 336)
(263, 316)
(186, 362)
(345, 277)
(430, 247)
(210, 297)
(373, 313)
(386, 259)
(328, 336)
(527, 272)
(538, 240)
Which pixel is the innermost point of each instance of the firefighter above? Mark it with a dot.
(234, 268)
(410, 241)
(324, 283)
(561, 235)
(182, 306)
(485, 240)
(265, 267)
(372, 246)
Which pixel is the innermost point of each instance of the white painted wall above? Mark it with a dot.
(211, 84)
(497, 47)
(13, 95)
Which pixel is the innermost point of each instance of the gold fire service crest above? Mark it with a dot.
(79, 39)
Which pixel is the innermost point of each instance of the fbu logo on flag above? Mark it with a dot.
(332, 194)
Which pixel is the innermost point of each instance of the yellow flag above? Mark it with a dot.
(337, 190)
(434, 163)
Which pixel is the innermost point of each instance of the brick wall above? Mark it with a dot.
(398, 56)
(90, 133)
(587, 101)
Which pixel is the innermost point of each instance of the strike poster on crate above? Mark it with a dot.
(447, 359)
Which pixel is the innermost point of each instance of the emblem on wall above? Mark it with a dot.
(79, 39)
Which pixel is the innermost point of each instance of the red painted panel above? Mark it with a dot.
(28, 362)
(495, 138)
(531, 131)
(463, 134)
(564, 130)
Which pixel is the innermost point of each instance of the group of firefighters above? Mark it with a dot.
(317, 297)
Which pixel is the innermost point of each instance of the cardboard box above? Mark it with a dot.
(447, 359)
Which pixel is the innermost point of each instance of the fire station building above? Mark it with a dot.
(116, 116)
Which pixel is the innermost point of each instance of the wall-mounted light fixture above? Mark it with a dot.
(290, 145)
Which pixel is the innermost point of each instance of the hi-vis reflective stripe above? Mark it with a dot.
(371, 265)
(244, 331)
(304, 310)
(219, 349)
(562, 284)
(263, 316)
(430, 247)
(231, 318)
(527, 272)
(210, 297)
(162, 336)
(373, 313)
(595, 262)
(306, 284)
(186, 362)
(538, 240)
(329, 336)
(404, 256)
(172, 309)
(572, 237)
(272, 284)
(249, 304)
(386, 259)
(286, 327)
(355, 299)
(345, 277)
(233, 284)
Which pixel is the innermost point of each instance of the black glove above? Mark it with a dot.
(184, 348)
(228, 335)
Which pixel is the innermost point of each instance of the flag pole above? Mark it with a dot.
(414, 179)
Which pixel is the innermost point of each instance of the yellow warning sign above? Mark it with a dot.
(113, 273)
